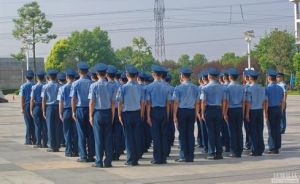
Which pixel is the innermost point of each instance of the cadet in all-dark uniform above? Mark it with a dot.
(275, 99)
(233, 115)
(256, 101)
(130, 112)
(158, 105)
(101, 113)
(37, 112)
(80, 112)
(50, 110)
(25, 91)
(65, 113)
(186, 107)
(213, 98)
(281, 83)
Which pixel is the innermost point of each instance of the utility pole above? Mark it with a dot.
(297, 21)
(248, 37)
(159, 15)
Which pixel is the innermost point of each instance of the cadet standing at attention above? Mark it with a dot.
(80, 112)
(25, 91)
(275, 100)
(246, 123)
(186, 97)
(281, 83)
(37, 112)
(199, 131)
(101, 113)
(158, 105)
(202, 121)
(225, 129)
(213, 96)
(65, 114)
(50, 110)
(130, 112)
(62, 81)
(233, 115)
(256, 101)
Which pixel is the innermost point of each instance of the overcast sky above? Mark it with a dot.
(191, 26)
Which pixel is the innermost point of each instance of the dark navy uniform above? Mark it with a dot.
(275, 95)
(25, 91)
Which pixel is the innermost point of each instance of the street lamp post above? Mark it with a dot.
(248, 37)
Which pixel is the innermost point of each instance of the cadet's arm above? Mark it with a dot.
(265, 106)
(203, 106)
(148, 106)
(175, 109)
(248, 107)
(196, 110)
(113, 110)
(283, 102)
(73, 105)
(168, 108)
(22, 104)
(31, 106)
(120, 108)
(91, 110)
(61, 109)
(44, 106)
(142, 109)
(244, 107)
(225, 109)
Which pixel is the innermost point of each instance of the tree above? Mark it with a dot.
(58, 55)
(276, 50)
(229, 58)
(296, 64)
(198, 59)
(32, 27)
(184, 60)
(170, 64)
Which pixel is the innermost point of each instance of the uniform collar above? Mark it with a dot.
(212, 82)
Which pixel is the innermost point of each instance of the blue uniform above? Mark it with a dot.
(235, 96)
(186, 95)
(275, 96)
(69, 126)
(283, 119)
(213, 94)
(158, 95)
(39, 121)
(49, 93)
(25, 91)
(132, 95)
(255, 95)
(60, 124)
(80, 91)
(225, 130)
(203, 126)
(103, 96)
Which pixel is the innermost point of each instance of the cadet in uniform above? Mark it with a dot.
(25, 91)
(246, 123)
(255, 99)
(202, 121)
(50, 110)
(199, 131)
(62, 81)
(281, 83)
(158, 105)
(102, 109)
(130, 112)
(80, 112)
(213, 96)
(233, 115)
(186, 97)
(65, 114)
(275, 99)
(225, 129)
(37, 112)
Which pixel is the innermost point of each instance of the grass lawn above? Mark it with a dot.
(294, 92)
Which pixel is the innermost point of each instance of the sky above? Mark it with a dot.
(210, 27)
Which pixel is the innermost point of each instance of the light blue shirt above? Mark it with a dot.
(170, 88)
(256, 95)
(114, 87)
(131, 95)
(80, 91)
(36, 92)
(25, 91)
(186, 94)
(102, 95)
(283, 86)
(49, 92)
(158, 93)
(235, 95)
(274, 94)
(213, 93)
(64, 95)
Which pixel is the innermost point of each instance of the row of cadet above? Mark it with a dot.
(103, 112)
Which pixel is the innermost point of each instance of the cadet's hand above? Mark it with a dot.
(226, 118)
(248, 118)
(91, 120)
(31, 113)
(203, 117)
(61, 117)
(44, 115)
(199, 116)
(149, 121)
(74, 116)
(175, 122)
(120, 119)
(266, 116)
(142, 117)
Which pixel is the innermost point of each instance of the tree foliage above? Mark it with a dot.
(296, 64)
(229, 58)
(32, 27)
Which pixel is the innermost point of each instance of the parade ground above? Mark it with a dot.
(24, 164)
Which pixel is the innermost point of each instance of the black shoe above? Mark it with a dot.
(227, 150)
(190, 160)
(234, 156)
(62, 145)
(164, 162)
(247, 148)
(81, 160)
(52, 150)
(45, 146)
(154, 162)
(131, 164)
(27, 143)
(180, 160)
(91, 160)
(108, 166)
(68, 155)
(218, 157)
(97, 165)
(74, 155)
(210, 157)
(254, 154)
(273, 152)
(37, 146)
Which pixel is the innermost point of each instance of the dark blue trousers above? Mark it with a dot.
(132, 123)
(61, 133)
(40, 126)
(283, 121)
(225, 135)
(213, 121)
(52, 126)
(103, 130)
(204, 135)
(171, 133)
(256, 131)
(70, 132)
(235, 124)
(118, 137)
(274, 129)
(199, 134)
(159, 118)
(85, 133)
(186, 121)
(247, 136)
(30, 132)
